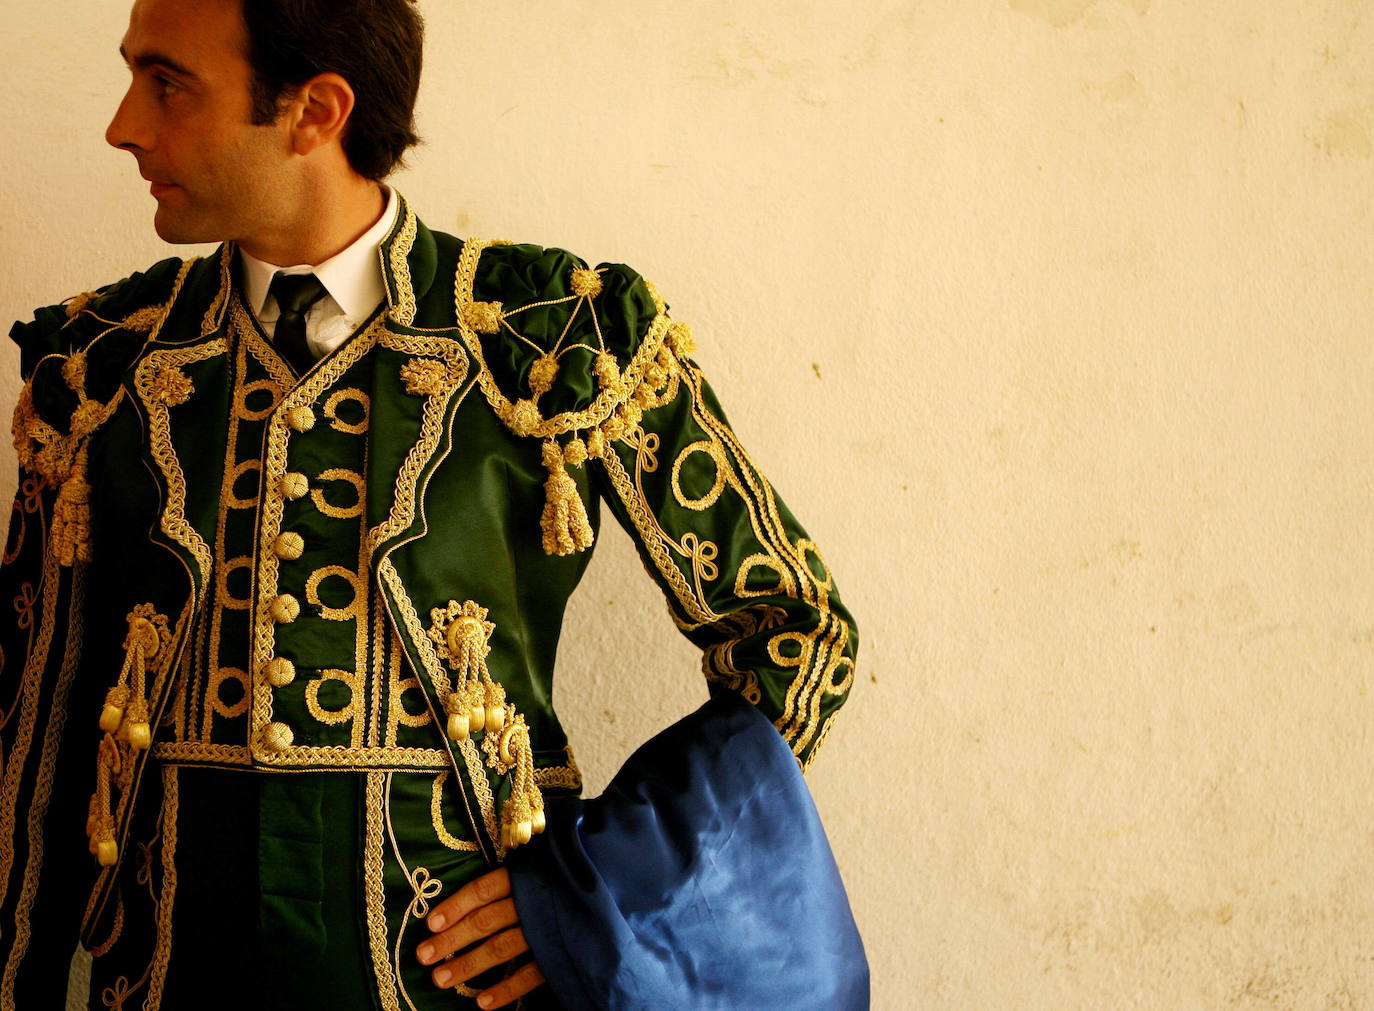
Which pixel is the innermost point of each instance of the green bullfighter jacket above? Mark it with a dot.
(212, 563)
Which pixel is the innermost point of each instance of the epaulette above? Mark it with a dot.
(70, 357)
(567, 354)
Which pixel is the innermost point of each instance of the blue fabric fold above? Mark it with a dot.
(701, 878)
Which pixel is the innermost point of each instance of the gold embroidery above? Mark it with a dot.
(233, 500)
(339, 512)
(403, 305)
(43, 783)
(355, 608)
(585, 283)
(429, 661)
(172, 387)
(333, 717)
(424, 377)
(331, 411)
(404, 505)
(162, 954)
(399, 711)
(816, 655)
(615, 411)
(484, 317)
(223, 596)
(103, 948)
(436, 816)
(374, 892)
(460, 633)
(113, 997)
(173, 522)
(217, 678)
(243, 411)
(712, 450)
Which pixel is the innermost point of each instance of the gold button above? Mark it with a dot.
(289, 545)
(279, 672)
(277, 737)
(293, 485)
(302, 419)
(285, 608)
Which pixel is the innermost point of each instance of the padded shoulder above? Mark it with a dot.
(133, 303)
(562, 346)
(567, 354)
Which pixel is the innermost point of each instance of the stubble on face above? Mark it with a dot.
(187, 119)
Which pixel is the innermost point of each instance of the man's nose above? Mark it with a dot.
(126, 130)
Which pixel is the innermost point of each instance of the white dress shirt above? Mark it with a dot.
(352, 280)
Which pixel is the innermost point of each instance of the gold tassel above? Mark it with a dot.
(99, 820)
(565, 524)
(116, 702)
(522, 815)
(459, 725)
(71, 525)
(126, 712)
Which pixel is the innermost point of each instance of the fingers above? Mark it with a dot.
(482, 922)
(519, 983)
(501, 948)
(479, 892)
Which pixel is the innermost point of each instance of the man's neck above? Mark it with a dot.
(326, 220)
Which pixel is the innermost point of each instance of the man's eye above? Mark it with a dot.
(166, 86)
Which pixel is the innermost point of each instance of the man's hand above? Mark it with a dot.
(480, 911)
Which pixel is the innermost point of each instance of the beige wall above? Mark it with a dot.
(1050, 318)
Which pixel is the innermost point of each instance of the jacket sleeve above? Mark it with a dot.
(742, 579)
(43, 860)
(588, 362)
(48, 723)
(702, 876)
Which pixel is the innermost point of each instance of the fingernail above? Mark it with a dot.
(426, 953)
(485, 1000)
(443, 977)
(437, 921)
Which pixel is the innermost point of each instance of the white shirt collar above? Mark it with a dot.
(352, 276)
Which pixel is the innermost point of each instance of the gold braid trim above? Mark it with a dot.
(162, 955)
(374, 891)
(615, 412)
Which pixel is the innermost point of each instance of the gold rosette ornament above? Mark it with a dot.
(474, 702)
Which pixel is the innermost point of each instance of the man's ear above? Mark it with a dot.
(320, 107)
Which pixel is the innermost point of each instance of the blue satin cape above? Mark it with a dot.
(701, 878)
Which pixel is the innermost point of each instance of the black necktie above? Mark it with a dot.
(295, 294)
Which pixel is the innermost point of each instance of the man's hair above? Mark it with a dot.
(375, 45)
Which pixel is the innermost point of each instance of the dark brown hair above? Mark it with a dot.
(375, 45)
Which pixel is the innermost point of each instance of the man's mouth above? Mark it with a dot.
(158, 189)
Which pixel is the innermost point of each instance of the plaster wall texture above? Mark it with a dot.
(1050, 319)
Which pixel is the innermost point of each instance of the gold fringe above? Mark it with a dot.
(564, 523)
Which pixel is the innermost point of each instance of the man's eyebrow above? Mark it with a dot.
(155, 59)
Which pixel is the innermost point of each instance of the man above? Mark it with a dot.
(295, 530)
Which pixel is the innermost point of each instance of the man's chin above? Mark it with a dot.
(179, 229)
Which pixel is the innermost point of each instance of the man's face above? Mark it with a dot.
(187, 119)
